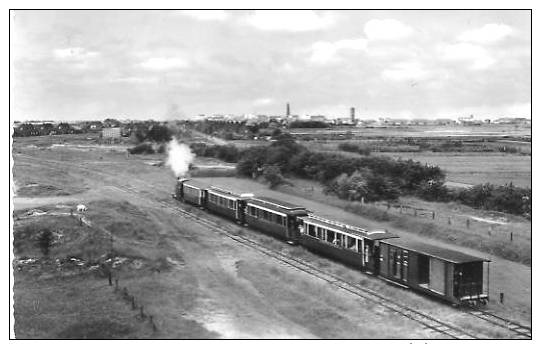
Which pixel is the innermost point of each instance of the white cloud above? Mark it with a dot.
(289, 20)
(206, 14)
(74, 53)
(386, 29)
(162, 63)
(324, 52)
(134, 80)
(263, 101)
(405, 71)
(489, 33)
(478, 57)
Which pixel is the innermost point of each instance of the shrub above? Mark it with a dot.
(143, 148)
(159, 133)
(363, 184)
(505, 198)
(272, 175)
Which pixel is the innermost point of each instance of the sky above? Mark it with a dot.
(77, 65)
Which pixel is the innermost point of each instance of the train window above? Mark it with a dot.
(279, 220)
(319, 233)
(331, 236)
(231, 204)
(312, 230)
(253, 212)
(351, 243)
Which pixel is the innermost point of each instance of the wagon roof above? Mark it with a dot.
(196, 184)
(442, 253)
(228, 193)
(277, 205)
(370, 234)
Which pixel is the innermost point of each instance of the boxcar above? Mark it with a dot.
(275, 217)
(351, 245)
(446, 274)
(227, 203)
(193, 192)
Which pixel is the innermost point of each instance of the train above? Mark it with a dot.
(448, 275)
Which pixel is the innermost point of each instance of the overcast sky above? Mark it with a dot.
(72, 65)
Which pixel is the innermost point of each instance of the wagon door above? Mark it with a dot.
(241, 211)
(368, 255)
(292, 229)
(437, 276)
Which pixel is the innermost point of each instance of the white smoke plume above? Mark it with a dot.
(179, 157)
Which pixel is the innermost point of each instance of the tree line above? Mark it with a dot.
(368, 178)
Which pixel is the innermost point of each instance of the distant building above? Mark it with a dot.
(111, 133)
(343, 121)
(318, 118)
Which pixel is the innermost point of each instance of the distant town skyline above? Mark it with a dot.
(165, 65)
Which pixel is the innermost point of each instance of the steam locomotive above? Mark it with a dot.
(448, 275)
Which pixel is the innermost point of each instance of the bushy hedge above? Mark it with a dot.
(370, 177)
(227, 153)
(363, 185)
(505, 198)
(386, 177)
(143, 148)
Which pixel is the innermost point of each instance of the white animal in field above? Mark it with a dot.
(81, 208)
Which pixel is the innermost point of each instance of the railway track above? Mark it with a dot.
(523, 332)
(422, 318)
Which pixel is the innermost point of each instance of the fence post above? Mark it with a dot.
(511, 236)
(433, 215)
(501, 297)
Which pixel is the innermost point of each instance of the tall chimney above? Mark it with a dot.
(352, 112)
(288, 113)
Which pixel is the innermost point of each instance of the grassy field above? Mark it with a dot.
(477, 168)
(464, 168)
(194, 282)
(428, 131)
